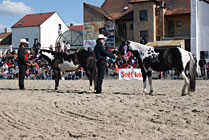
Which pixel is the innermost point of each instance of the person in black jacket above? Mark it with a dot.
(101, 55)
(36, 46)
(22, 62)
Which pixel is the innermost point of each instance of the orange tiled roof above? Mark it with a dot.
(113, 9)
(133, 1)
(3, 35)
(100, 10)
(32, 20)
(6, 38)
(76, 27)
(175, 7)
(117, 8)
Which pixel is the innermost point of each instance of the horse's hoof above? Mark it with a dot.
(183, 94)
(151, 94)
(90, 88)
(189, 94)
(56, 88)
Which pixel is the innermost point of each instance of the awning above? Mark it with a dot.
(168, 43)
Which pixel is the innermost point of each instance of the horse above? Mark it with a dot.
(62, 62)
(156, 59)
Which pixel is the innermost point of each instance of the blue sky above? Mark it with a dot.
(71, 11)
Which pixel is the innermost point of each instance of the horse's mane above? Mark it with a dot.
(137, 45)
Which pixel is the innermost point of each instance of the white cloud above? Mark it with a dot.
(8, 7)
(2, 27)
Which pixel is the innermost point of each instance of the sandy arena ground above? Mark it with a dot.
(122, 112)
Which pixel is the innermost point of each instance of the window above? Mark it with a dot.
(170, 28)
(59, 27)
(143, 37)
(157, 12)
(131, 26)
(125, 9)
(122, 30)
(158, 38)
(143, 15)
(178, 24)
(204, 54)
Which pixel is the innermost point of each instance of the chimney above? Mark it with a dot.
(6, 30)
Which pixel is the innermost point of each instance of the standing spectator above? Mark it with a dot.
(58, 47)
(22, 62)
(36, 46)
(51, 47)
(4, 70)
(101, 55)
(207, 69)
(202, 64)
(63, 46)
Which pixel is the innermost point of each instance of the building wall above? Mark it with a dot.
(160, 24)
(49, 30)
(90, 15)
(129, 31)
(203, 27)
(184, 29)
(199, 27)
(193, 29)
(149, 25)
(24, 32)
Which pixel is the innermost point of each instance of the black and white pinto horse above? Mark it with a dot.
(151, 58)
(61, 62)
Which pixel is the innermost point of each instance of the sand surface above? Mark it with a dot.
(122, 112)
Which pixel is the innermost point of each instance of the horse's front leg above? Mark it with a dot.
(89, 75)
(57, 78)
(185, 84)
(144, 74)
(94, 76)
(149, 73)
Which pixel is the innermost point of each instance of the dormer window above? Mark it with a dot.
(21, 23)
(125, 9)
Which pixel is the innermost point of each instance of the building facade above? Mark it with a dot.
(152, 20)
(200, 28)
(45, 27)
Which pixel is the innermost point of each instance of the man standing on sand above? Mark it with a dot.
(101, 55)
(22, 62)
(202, 64)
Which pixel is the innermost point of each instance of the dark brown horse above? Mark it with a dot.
(61, 62)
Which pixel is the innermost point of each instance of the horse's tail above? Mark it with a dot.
(192, 72)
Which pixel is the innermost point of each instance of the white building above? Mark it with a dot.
(200, 28)
(45, 27)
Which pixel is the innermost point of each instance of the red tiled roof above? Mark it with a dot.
(113, 9)
(3, 35)
(100, 10)
(76, 27)
(117, 8)
(133, 1)
(6, 39)
(175, 7)
(33, 20)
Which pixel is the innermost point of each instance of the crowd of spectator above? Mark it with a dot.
(41, 71)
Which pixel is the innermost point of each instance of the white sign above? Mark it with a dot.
(89, 43)
(130, 74)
